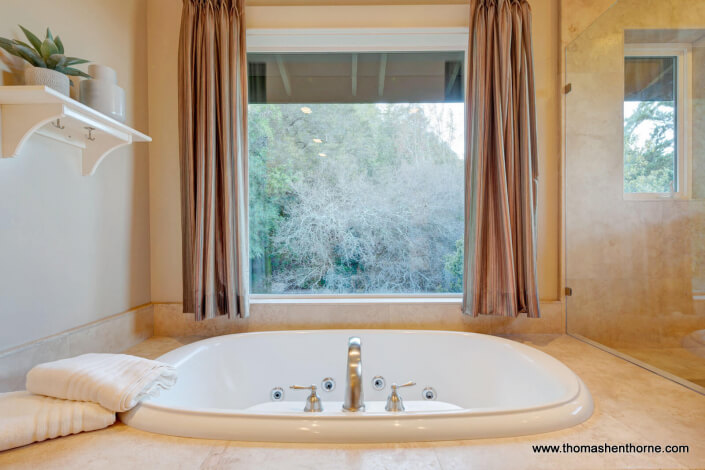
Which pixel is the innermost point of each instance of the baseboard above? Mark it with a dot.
(112, 334)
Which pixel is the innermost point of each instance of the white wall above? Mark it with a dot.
(75, 249)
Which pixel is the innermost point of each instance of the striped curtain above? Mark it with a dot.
(501, 167)
(213, 155)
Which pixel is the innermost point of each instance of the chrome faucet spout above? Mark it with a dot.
(354, 400)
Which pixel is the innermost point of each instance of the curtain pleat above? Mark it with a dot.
(213, 157)
(501, 168)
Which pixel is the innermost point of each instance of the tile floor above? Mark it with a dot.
(678, 361)
(633, 405)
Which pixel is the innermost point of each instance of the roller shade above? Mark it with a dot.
(650, 78)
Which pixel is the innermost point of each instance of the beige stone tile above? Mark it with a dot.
(265, 457)
(158, 345)
(15, 364)
(170, 321)
(117, 447)
(677, 361)
(115, 334)
(517, 453)
(398, 457)
(435, 317)
(112, 334)
(317, 316)
(700, 382)
(576, 16)
(658, 410)
(552, 321)
(247, 455)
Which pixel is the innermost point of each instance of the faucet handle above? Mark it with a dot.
(311, 387)
(408, 384)
(313, 402)
(394, 401)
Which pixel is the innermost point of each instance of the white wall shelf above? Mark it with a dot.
(26, 110)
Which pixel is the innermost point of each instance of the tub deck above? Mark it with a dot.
(633, 405)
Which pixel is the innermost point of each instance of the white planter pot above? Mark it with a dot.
(47, 77)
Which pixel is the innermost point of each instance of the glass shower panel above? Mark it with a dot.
(635, 186)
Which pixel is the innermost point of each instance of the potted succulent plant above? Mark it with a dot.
(48, 64)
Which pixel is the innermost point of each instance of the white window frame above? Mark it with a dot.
(684, 157)
(261, 40)
(357, 40)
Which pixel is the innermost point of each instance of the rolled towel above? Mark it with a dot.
(118, 382)
(27, 418)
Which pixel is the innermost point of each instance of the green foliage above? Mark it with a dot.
(649, 160)
(454, 267)
(380, 211)
(48, 53)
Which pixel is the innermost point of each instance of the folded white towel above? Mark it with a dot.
(116, 381)
(27, 418)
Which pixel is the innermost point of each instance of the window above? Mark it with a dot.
(356, 172)
(656, 150)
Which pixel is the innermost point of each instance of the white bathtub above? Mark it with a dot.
(485, 387)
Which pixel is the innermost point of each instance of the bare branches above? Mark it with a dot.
(380, 213)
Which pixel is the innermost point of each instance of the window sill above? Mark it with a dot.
(353, 300)
(655, 197)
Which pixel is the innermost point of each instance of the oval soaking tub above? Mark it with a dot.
(467, 386)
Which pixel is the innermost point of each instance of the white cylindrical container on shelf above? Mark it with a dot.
(102, 93)
(102, 72)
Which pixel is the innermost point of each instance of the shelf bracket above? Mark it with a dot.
(26, 110)
(19, 121)
(97, 149)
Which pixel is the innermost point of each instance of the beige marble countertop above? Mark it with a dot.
(632, 405)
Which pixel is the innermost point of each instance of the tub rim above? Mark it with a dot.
(576, 386)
